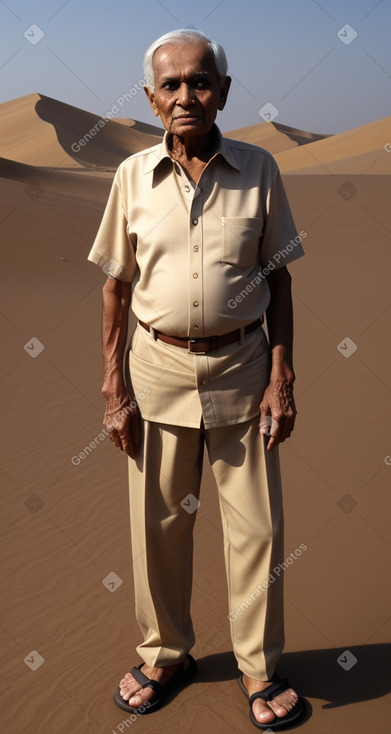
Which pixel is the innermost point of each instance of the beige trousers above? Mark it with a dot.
(169, 469)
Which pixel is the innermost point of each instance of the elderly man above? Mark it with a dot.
(197, 234)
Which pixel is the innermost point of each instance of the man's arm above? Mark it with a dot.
(121, 418)
(278, 403)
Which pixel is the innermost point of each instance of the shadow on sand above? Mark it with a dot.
(317, 673)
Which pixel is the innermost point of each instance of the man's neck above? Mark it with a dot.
(198, 148)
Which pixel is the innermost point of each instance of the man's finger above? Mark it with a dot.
(281, 430)
(132, 436)
(268, 425)
(271, 443)
(115, 438)
(278, 431)
(130, 446)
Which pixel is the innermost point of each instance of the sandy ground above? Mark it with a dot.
(68, 630)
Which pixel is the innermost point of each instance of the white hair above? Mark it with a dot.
(184, 35)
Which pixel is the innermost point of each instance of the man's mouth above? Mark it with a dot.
(186, 117)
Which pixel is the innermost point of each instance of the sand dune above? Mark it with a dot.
(38, 130)
(64, 523)
(343, 151)
(373, 163)
(274, 137)
(356, 151)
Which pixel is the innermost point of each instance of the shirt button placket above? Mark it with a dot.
(195, 263)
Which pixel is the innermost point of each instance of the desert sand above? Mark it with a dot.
(68, 630)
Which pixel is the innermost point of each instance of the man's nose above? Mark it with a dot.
(185, 95)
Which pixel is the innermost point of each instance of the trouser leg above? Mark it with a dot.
(249, 486)
(167, 470)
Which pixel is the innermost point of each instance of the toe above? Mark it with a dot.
(141, 698)
(279, 710)
(127, 693)
(135, 701)
(127, 681)
(284, 703)
(128, 686)
(262, 712)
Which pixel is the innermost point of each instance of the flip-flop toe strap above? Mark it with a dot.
(270, 692)
(146, 682)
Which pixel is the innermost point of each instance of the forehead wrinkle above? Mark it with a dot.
(168, 76)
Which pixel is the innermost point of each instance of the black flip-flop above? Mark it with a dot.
(178, 678)
(290, 719)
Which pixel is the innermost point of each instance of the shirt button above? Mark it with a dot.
(196, 326)
(195, 275)
(203, 382)
(196, 303)
(196, 248)
(194, 221)
(186, 188)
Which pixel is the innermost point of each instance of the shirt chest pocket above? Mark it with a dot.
(240, 241)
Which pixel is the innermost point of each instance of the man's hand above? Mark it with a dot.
(278, 412)
(122, 419)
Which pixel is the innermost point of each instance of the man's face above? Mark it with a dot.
(187, 91)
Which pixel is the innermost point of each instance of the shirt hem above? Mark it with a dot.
(193, 424)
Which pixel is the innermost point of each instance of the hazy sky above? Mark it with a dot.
(89, 53)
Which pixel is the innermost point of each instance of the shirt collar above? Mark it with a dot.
(161, 152)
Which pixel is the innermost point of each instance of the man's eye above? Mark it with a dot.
(170, 86)
(201, 84)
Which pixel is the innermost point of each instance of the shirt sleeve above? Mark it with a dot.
(113, 249)
(280, 243)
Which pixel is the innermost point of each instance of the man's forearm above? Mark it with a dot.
(280, 325)
(116, 301)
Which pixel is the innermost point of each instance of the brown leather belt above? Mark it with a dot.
(203, 345)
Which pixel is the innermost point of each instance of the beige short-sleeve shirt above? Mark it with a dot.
(198, 257)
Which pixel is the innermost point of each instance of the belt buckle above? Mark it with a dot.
(194, 342)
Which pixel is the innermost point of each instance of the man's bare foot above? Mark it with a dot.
(266, 712)
(135, 694)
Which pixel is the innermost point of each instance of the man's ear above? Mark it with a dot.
(224, 89)
(151, 99)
